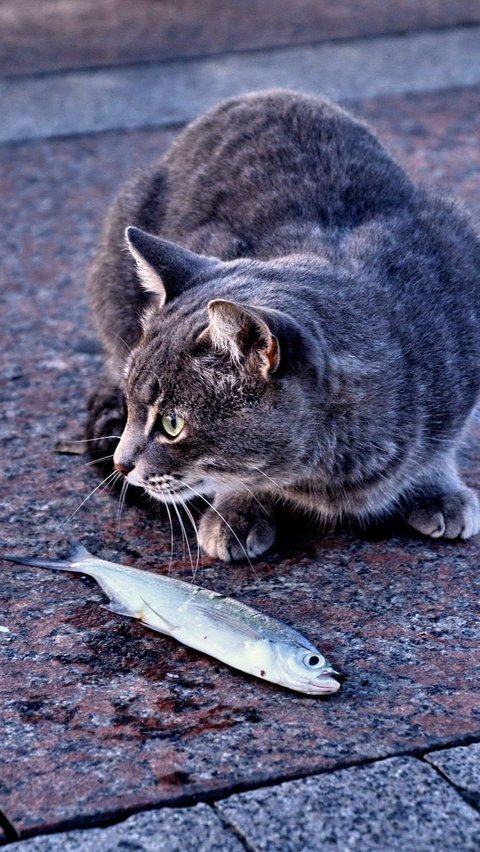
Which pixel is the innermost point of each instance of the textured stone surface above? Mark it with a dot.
(197, 829)
(462, 766)
(175, 92)
(37, 35)
(396, 804)
(101, 716)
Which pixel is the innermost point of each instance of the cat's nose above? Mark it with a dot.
(123, 468)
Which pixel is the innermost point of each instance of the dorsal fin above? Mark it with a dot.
(77, 552)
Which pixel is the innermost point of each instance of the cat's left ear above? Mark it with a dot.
(165, 269)
(244, 333)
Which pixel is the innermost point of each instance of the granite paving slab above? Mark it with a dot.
(101, 717)
(197, 829)
(396, 804)
(37, 36)
(461, 766)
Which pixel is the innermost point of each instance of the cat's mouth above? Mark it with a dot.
(179, 493)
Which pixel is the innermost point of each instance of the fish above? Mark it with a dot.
(207, 621)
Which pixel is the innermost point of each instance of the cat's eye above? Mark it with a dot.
(172, 426)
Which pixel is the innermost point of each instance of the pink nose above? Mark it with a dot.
(122, 468)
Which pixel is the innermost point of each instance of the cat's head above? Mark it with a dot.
(217, 386)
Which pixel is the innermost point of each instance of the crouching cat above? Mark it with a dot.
(294, 321)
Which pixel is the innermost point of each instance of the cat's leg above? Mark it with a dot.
(237, 527)
(442, 506)
(107, 415)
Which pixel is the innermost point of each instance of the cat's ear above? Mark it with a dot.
(165, 269)
(243, 333)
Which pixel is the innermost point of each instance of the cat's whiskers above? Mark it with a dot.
(244, 485)
(121, 499)
(89, 440)
(192, 521)
(96, 461)
(66, 480)
(214, 509)
(240, 481)
(153, 501)
(171, 535)
(276, 484)
(105, 482)
(184, 534)
(114, 481)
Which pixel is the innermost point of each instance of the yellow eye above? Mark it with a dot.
(172, 426)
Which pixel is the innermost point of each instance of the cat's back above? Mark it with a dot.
(262, 160)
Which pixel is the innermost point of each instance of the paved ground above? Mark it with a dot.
(101, 718)
(41, 36)
(175, 92)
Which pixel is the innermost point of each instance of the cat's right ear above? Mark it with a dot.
(164, 268)
(243, 332)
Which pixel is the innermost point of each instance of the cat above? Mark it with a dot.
(288, 319)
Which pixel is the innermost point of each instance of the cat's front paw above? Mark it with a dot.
(451, 515)
(239, 528)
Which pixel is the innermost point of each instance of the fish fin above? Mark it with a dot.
(120, 608)
(169, 626)
(56, 564)
(226, 619)
(77, 552)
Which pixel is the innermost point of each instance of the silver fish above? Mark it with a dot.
(205, 620)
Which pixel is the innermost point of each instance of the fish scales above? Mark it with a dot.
(207, 621)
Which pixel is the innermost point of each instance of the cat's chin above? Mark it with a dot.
(182, 494)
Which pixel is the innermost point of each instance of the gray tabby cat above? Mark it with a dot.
(294, 321)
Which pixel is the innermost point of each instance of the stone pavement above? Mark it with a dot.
(175, 92)
(38, 37)
(102, 718)
(364, 807)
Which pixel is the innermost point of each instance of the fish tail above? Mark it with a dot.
(58, 564)
(76, 554)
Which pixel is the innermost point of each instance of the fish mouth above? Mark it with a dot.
(325, 684)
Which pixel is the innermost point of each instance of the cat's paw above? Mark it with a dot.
(451, 515)
(245, 529)
(107, 416)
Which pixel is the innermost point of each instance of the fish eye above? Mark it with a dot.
(172, 425)
(313, 661)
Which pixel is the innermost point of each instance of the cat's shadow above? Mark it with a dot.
(298, 533)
